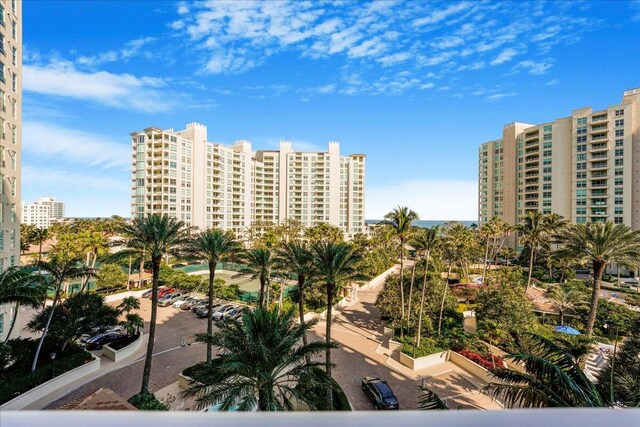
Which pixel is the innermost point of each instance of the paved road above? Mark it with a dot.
(169, 360)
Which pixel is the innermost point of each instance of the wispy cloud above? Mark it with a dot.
(635, 10)
(534, 67)
(130, 49)
(552, 82)
(505, 56)
(498, 96)
(123, 91)
(50, 142)
(442, 14)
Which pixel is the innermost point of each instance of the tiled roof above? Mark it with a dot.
(103, 399)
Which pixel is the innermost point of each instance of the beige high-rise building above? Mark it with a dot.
(10, 144)
(585, 167)
(207, 184)
(43, 212)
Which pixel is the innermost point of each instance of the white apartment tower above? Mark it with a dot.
(585, 167)
(42, 212)
(212, 185)
(10, 142)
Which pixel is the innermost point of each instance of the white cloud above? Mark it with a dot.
(635, 9)
(552, 82)
(47, 141)
(431, 199)
(394, 58)
(447, 42)
(441, 14)
(330, 88)
(534, 67)
(124, 91)
(498, 96)
(130, 50)
(426, 86)
(505, 56)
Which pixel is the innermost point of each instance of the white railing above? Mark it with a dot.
(466, 418)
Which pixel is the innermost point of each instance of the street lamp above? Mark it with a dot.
(53, 359)
(608, 326)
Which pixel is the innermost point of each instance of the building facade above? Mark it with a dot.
(207, 184)
(10, 142)
(585, 167)
(43, 212)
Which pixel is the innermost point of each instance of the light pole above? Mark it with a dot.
(613, 359)
(53, 359)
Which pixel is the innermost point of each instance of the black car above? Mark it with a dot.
(96, 342)
(203, 311)
(380, 394)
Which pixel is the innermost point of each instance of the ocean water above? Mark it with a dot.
(428, 223)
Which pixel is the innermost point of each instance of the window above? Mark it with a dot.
(619, 201)
(581, 138)
(619, 113)
(546, 170)
(2, 79)
(581, 130)
(581, 220)
(618, 220)
(14, 82)
(619, 171)
(618, 191)
(546, 186)
(14, 29)
(2, 15)
(547, 144)
(547, 137)
(619, 142)
(546, 178)
(14, 56)
(546, 195)
(581, 184)
(581, 175)
(1, 323)
(582, 121)
(581, 193)
(581, 166)
(619, 181)
(581, 211)
(619, 162)
(617, 210)
(619, 122)
(619, 152)
(581, 202)
(619, 132)
(581, 157)
(547, 128)
(547, 153)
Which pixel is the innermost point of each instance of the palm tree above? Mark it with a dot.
(157, 236)
(427, 240)
(334, 264)
(259, 263)
(20, 287)
(552, 379)
(214, 246)
(565, 299)
(260, 364)
(295, 257)
(599, 243)
(400, 220)
(40, 235)
(486, 231)
(60, 269)
(534, 234)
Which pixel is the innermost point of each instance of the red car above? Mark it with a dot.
(165, 291)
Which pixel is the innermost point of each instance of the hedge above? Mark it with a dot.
(20, 384)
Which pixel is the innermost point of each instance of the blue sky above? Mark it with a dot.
(417, 86)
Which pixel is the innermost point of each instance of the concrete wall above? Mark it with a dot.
(123, 295)
(425, 361)
(471, 367)
(118, 355)
(42, 390)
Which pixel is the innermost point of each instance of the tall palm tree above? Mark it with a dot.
(565, 299)
(400, 220)
(158, 236)
(40, 235)
(552, 379)
(599, 243)
(20, 287)
(213, 246)
(60, 269)
(335, 265)
(487, 232)
(535, 234)
(259, 263)
(295, 257)
(427, 240)
(260, 364)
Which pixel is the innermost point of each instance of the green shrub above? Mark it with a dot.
(147, 402)
(19, 383)
(427, 347)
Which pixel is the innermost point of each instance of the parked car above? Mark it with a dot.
(96, 331)
(583, 271)
(195, 262)
(184, 298)
(380, 394)
(219, 314)
(203, 311)
(234, 314)
(191, 303)
(96, 342)
(165, 291)
(168, 299)
(147, 294)
(199, 305)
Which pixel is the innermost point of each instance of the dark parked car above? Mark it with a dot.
(147, 294)
(96, 343)
(380, 394)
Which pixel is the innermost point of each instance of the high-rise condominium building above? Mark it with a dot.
(42, 212)
(212, 185)
(585, 167)
(10, 141)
